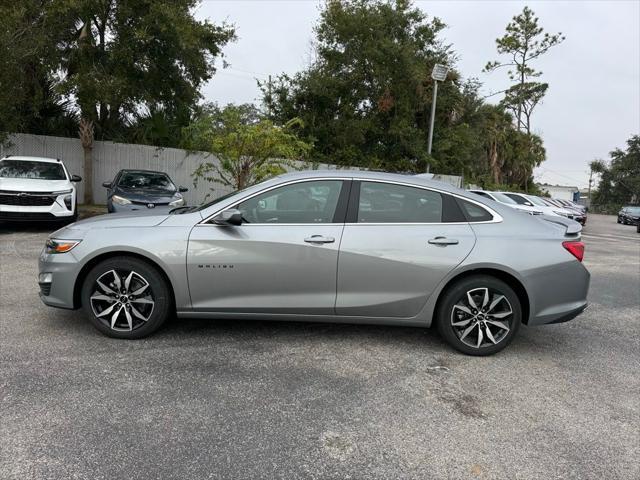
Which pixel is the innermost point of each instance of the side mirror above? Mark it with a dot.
(231, 216)
(106, 184)
(183, 189)
(528, 204)
(76, 178)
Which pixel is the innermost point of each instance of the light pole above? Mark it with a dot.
(439, 74)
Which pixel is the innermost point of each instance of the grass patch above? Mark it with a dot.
(86, 211)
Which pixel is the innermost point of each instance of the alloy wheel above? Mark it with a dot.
(122, 300)
(483, 317)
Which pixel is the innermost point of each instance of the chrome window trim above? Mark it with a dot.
(273, 187)
(497, 218)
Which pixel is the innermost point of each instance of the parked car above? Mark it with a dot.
(502, 198)
(574, 213)
(629, 215)
(540, 204)
(134, 190)
(37, 188)
(352, 247)
(569, 203)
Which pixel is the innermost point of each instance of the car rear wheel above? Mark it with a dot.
(479, 315)
(126, 297)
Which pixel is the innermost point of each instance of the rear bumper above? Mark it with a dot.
(560, 317)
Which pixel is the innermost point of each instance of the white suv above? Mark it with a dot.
(35, 188)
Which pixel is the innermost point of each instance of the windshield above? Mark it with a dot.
(31, 170)
(537, 201)
(502, 198)
(147, 181)
(633, 210)
(217, 200)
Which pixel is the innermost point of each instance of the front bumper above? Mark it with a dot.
(139, 207)
(57, 288)
(56, 211)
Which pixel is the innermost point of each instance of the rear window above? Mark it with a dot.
(31, 170)
(475, 213)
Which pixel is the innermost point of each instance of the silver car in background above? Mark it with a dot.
(337, 246)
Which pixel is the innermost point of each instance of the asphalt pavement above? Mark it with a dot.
(253, 400)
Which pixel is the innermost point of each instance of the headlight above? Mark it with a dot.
(177, 203)
(67, 201)
(60, 246)
(62, 192)
(120, 200)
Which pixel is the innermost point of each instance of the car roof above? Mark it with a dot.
(32, 159)
(141, 170)
(369, 175)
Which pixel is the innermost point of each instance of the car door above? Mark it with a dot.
(399, 242)
(281, 259)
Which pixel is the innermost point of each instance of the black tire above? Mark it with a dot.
(456, 296)
(157, 292)
(619, 220)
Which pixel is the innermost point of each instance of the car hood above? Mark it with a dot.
(147, 195)
(112, 220)
(33, 185)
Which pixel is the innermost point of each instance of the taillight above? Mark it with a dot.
(575, 248)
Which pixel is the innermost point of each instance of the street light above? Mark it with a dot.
(439, 74)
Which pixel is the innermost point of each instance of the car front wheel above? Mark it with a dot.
(479, 315)
(126, 297)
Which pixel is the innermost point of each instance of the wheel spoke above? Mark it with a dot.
(467, 331)
(485, 299)
(104, 298)
(490, 335)
(480, 337)
(498, 324)
(495, 302)
(115, 317)
(127, 281)
(137, 314)
(472, 302)
(461, 323)
(106, 311)
(463, 308)
(117, 280)
(104, 287)
(140, 290)
(501, 314)
(142, 300)
(129, 319)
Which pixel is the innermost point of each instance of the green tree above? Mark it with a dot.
(524, 41)
(246, 148)
(123, 68)
(29, 101)
(620, 177)
(365, 99)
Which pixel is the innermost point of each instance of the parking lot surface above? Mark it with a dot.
(235, 399)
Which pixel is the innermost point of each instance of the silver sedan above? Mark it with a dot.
(337, 246)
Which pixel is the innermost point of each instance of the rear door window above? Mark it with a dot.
(392, 203)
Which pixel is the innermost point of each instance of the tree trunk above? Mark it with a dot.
(85, 132)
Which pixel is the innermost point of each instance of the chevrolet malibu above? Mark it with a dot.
(338, 246)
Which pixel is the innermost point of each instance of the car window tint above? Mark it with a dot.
(31, 170)
(146, 180)
(303, 202)
(389, 203)
(475, 213)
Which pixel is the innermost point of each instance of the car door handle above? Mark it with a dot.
(444, 241)
(319, 239)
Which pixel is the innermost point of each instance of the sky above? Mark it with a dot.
(592, 105)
